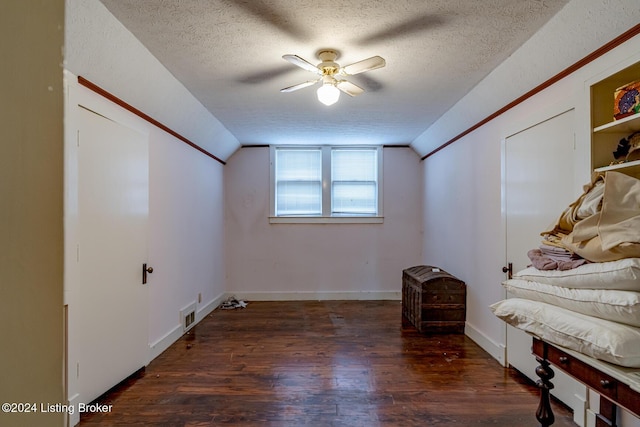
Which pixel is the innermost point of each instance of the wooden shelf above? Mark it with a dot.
(627, 165)
(628, 124)
(606, 133)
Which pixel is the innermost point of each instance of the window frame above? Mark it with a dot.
(326, 216)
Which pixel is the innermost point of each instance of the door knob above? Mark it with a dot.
(508, 269)
(145, 270)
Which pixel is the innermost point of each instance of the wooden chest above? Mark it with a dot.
(433, 300)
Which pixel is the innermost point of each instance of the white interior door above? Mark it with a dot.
(113, 200)
(538, 187)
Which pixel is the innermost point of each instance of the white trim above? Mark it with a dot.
(210, 306)
(320, 296)
(327, 166)
(74, 418)
(272, 180)
(380, 183)
(158, 347)
(496, 350)
(326, 220)
(590, 418)
(326, 217)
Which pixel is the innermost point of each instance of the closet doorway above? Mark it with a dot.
(538, 186)
(111, 314)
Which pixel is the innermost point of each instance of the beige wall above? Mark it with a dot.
(319, 261)
(31, 196)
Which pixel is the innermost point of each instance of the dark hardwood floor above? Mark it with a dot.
(330, 363)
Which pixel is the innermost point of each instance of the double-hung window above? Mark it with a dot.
(298, 186)
(326, 184)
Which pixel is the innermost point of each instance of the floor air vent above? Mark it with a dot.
(188, 316)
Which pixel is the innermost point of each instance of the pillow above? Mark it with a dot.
(597, 338)
(623, 274)
(614, 305)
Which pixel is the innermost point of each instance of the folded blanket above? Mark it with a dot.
(558, 253)
(610, 233)
(544, 262)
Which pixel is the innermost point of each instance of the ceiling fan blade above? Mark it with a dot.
(349, 88)
(277, 17)
(370, 84)
(299, 86)
(364, 65)
(417, 24)
(302, 63)
(265, 75)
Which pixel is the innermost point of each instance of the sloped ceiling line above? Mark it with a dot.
(100, 91)
(634, 31)
(228, 55)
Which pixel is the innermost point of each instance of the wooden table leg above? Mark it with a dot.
(544, 414)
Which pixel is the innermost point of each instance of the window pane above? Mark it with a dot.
(354, 198)
(298, 182)
(299, 198)
(354, 165)
(354, 174)
(298, 165)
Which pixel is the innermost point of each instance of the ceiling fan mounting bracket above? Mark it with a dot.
(328, 66)
(328, 55)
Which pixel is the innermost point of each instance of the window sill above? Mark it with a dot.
(326, 220)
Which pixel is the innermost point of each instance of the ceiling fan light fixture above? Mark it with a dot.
(328, 94)
(328, 70)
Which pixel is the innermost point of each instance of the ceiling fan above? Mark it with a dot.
(331, 74)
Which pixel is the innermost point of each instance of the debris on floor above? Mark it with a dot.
(232, 303)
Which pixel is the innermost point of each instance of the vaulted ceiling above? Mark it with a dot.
(228, 54)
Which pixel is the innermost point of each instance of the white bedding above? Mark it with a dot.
(623, 274)
(598, 338)
(614, 305)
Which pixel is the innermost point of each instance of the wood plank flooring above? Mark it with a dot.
(328, 363)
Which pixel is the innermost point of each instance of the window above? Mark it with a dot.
(298, 182)
(326, 184)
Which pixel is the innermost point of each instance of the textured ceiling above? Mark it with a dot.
(228, 54)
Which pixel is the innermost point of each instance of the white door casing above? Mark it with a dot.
(113, 212)
(538, 187)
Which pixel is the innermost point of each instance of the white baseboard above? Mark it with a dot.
(497, 351)
(156, 348)
(74, 419)
(318, 296)
(206, 309)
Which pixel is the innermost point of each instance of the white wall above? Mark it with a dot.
(464, 228)
(99, 48)
(462, 183)
(186, 228)
(319, 261)
(186, 218)
(186, 224)
(580, 28)
(463, 214)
